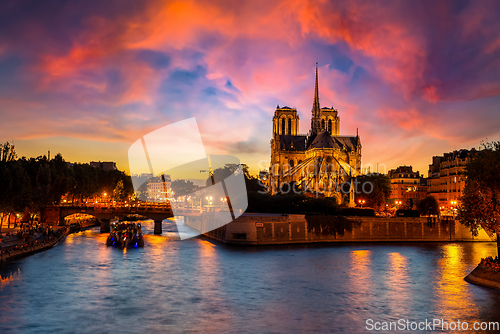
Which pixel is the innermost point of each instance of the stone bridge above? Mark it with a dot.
(105, 213)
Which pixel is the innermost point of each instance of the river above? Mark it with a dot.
(201, 286)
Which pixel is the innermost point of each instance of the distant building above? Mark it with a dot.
(157, 190)
(104, 165)
(445, 181)
(407, 184)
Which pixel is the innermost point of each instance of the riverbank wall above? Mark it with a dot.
(271, 229)
(485, 276)
(33, 249)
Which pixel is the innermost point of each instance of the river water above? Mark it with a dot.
(200, 286)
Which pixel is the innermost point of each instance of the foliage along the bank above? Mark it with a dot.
(480, 202)
(374, 189)
(31, 184)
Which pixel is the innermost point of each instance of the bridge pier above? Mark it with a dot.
(105, 225)
(158, 227)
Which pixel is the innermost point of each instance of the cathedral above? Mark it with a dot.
(321, 161)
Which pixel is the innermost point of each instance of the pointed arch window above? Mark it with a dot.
(322, 124)
(330, 126)
(283, 126)
(289, 126)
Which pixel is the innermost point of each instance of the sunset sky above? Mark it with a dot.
(88, 78)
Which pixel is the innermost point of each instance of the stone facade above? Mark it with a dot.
(445, 181)
(270, 229)
(319, 161)
(407, 184)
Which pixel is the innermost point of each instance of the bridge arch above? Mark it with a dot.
(156, 213)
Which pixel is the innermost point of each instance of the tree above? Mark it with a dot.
(480, 202)
(119, 192)
(5, 192)
(428, 206)
(373, 188)
(41, 194)
(61, 178)
(7, 152)
(183, 187)
(251, 182)
(22, 190)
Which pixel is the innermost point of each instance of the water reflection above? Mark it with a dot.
(360, 272)
(361, 283)
(202, 286)
(454, 299)
(400, 295)
(10, 277)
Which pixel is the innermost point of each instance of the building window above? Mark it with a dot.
(330, 126)
(283, 126)
(291, 163)
(289, 126)
(322, 124)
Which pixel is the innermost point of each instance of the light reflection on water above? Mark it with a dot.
(202, 286)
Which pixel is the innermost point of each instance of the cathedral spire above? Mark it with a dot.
(316, 108)
(316, 112)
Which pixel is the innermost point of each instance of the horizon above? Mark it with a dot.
(87, 81)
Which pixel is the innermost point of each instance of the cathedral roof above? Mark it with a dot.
(295, 143)
(350, 143)
(323, 140)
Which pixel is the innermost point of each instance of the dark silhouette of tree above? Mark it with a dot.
(374, 189)
(32, 184)
(480, 202)
(6, 183)
(6, 152)
(183, 187)
(61, 178)
(22, 190)
(428, 206)
(251, 182)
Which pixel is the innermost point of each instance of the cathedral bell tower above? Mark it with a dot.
(285, 122)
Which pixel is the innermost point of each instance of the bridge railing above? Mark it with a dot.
(132, 207)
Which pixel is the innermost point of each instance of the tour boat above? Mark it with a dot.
(125, 235)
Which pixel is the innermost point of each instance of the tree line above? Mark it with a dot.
(480, 201)
(29, 185)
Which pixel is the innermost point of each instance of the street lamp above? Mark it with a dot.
(361, 202)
